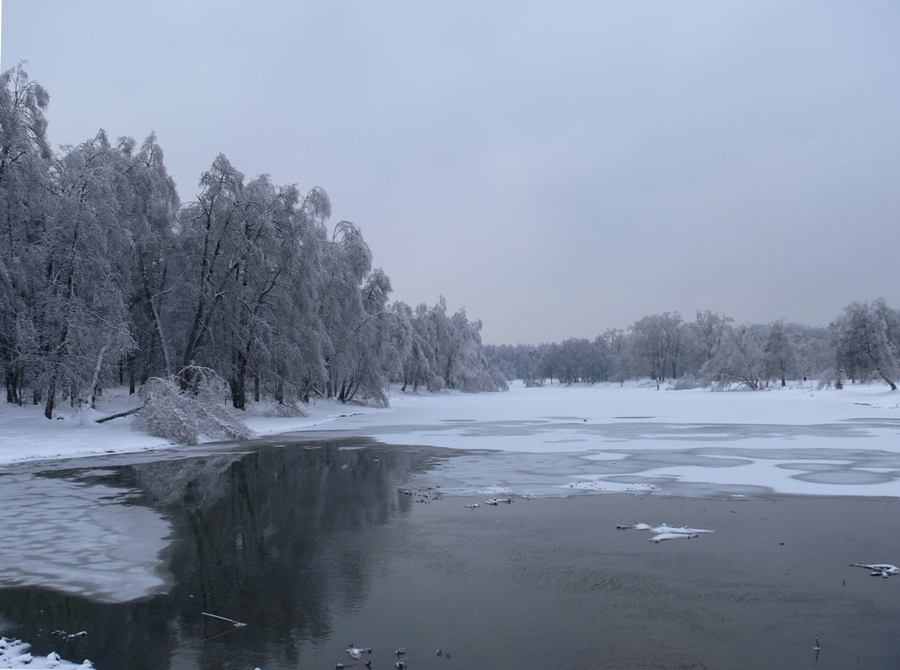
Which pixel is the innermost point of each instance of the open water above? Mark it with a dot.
(319, 545)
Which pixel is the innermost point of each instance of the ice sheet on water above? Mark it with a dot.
(696, 471)
(79, 538)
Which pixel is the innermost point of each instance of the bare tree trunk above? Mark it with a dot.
(12, 394)
(95, 382)
(162, 340)
(51, 399)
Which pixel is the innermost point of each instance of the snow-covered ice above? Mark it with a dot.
(610, 438)
(606, 437)
(79, 538)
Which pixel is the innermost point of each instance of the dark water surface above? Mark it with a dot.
(318, 545)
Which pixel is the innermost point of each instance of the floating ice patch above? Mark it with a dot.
(672, 536)
(79, 539)
(878, 569)
(666, 532)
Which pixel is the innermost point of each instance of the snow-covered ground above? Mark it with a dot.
(605, 437)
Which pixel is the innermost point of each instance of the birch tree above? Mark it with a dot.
(863, 347)
(25, 189)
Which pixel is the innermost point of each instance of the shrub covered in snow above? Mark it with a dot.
(186, 416)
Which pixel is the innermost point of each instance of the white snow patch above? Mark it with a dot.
(15, 654)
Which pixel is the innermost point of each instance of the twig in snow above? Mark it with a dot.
(216, 616)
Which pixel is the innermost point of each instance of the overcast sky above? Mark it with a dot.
(556, 168)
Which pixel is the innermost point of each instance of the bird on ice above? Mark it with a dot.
(878, 569)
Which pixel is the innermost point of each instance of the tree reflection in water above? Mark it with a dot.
(281, 537)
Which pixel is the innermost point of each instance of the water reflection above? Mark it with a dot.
(313, 546)
(282, 538)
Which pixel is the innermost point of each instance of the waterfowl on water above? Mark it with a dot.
(356, 652)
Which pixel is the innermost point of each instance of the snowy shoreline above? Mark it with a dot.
(793, 440)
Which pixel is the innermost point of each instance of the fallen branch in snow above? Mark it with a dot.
(133, 410)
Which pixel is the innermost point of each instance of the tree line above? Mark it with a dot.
(860, 345)
(107, 278)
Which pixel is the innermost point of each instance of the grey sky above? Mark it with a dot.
(556, 168)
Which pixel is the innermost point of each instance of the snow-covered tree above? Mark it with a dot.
(149, 209)
(779, 353)
(709, 329)
(863, 347)
(84, 320)
(739, 358)
(657, 343)
(25, 192)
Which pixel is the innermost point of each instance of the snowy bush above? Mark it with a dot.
(828, 378)
(685, 383)
(185, 417)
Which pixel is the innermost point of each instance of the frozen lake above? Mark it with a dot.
(353, 529)
(319, 544)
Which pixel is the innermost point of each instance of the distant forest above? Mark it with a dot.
(107, 278)
(860, 345)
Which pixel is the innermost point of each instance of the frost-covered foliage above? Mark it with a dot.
(445, 352)
(187, 416)
(685, 383)
(107, 279)
(866, 342)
